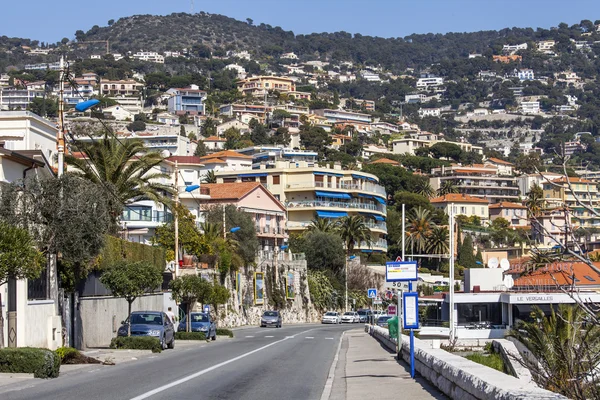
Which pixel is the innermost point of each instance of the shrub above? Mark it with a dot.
(190, 336)
(492, 360)
(42, 363)
(136, 343)
(69, 355)
(224, 332)
(66, 353)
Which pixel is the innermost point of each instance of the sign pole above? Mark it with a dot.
(400, 310)
(412, 340)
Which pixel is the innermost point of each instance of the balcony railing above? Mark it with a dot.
(336, 204)
(379, 244)
(381, 225)
(140, 216)
(280, 255)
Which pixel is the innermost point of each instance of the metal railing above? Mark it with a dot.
(338, 185)
(336, 204)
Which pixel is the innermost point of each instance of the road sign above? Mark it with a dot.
(377, 300)
(401, 271)
(392, 309)
(410, 301)
(371, 293)
(396, 285)
(206, 308)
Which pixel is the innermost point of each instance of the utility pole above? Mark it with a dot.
(224, 228)
(176, 221)
(61, 118)
(346, 285)
(451, 262)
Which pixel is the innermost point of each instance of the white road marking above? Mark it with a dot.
(328, 338)
(249, 336)
(269, 336)
(207, 370)
(329, 383)
(309, 337)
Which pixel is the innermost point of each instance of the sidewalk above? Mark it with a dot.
(367, 370)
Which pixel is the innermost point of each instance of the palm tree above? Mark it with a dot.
(210, 177)
(353, 231)
(447, 187)
(566, 350)
(126, 168)
(419, 229)
(424, 189)
(322, 225)
(438, 240)
(535, 202)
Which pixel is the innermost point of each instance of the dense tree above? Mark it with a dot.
(353, 231)
(324, 251)
(43, 107)
(466, 257)
(189, 289)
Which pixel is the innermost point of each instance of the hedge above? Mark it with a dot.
(116, 250)
(136, 343)
(224, 332)
(42, 363)
(190, 336)
(69, 355)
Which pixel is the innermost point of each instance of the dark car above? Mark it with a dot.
(383, 320)
(270, 318)
(150, 323)
(201, 322)
(365, 316)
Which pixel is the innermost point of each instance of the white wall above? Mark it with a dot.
(486, 278)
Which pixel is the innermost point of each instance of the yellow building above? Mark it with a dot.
(581, 193)
(258, 86)
(310, 192)
(463, 204)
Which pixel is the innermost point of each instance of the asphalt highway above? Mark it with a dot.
(292, 362)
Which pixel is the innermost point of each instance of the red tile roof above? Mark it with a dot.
(185, 159)
(551, 276)
(213, 161)
(227, 153)
(224, 192)
(386, 161)
(457, 198)
(214, 139)
(498, 161)
(570, 179)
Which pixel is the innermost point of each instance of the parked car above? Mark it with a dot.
(331, 317)
(150, 323)
(366, 316)
(350, 317)
(201, 322)
(270, 318)
(383, 320)
(377, 314)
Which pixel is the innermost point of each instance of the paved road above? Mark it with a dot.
(288, 363)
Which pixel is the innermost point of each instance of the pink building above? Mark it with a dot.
(252, 197)
(514, 213)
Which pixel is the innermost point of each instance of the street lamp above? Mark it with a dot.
(346, 281)
(234, 229)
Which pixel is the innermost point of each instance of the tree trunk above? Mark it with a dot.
(1, 323)
(188, 324)
(129, 303)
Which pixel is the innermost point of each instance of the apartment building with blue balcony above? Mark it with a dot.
(186, 101)
(309, 192)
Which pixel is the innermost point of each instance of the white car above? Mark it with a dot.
(350, 317)
(331, 317)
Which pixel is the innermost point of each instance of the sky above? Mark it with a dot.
(49, 21)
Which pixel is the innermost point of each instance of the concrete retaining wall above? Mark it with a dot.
(462, 379)
(99, 318)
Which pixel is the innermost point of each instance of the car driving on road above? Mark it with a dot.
(331, 317)
(270, 318)
(150, 323)
(201, 322)
(350, 317)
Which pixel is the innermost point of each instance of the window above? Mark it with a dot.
(248, 179)
(318, 178)
(229, 180)
(276, 179)
(463, 210)
(263, 180)
(472, 210)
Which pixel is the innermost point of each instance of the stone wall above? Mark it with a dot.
(462, 379)
(244, 310)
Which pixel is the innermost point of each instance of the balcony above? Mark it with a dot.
(268, 230)
(350, 186)
(336, 204)
(380, 244)
(382, 226)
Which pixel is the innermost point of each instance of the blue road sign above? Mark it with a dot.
(372, 293)
(206, 308)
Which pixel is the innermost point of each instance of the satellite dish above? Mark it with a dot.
(509, 282)
(165, 154)
(493, 263)
(504, 264)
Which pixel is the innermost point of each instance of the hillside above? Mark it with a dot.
(221, 33)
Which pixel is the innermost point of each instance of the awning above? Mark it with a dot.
(252, 175)
(379, 218)
(356, 176)
(333, 195)
(328, 174)
(368, 196)
(331, 214)
(380, 200)
(376, 217)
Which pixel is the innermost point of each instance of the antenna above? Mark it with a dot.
(192, 7)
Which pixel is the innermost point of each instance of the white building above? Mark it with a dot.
(524, 74)
(425, 83)
(546, 45)
(530, 107)
(369, 76)
(17, 99)
(24, 130)
(239, 70)
(118, 113)
(149, 56)
(289, 56)
(511, 49)
(414, 98)
(429, 112)
(234, 123)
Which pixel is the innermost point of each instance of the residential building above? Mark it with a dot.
(511, 49)
(487, 75)
(524, 74)
(236, 110)
(299, 95)
(408, 144)
(168, 140)
(478, 181)
(526, 182)
(17, 99)
(167, 119)
(370, 76)
(240, 71)
(371, 150)
(214, 143)
(385, 128)
(414, 98)
(573, 147)
(268, 214)
(503, 167)
(289, 56)
(24, 131)
(118, 113)
(339, 140)
(318, 192)
(227, 160)
(43, 66)
(334, 116)
(429, 112)
(548, 229)
(259, 86)
(129, 88)
(234, 123)
(186, 101)
(426, 83)
(368, 105)
(386, 161)
(462, 204)
(507, 59)
(149, 56)
(546, 45)
(530, 107)
(515, 213)
(4, 80)
(264, 156)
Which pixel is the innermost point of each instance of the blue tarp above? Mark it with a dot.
(331, 214)
(333, 195)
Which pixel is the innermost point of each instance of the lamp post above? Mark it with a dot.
(346, 282)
